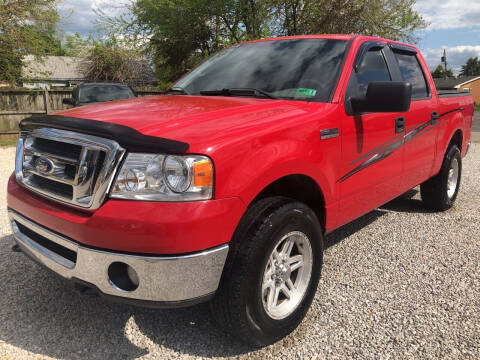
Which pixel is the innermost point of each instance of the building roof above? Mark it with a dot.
(62, 68)
(454, 83)
(67, 68)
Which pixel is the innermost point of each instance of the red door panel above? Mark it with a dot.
(419, 153)
(371, 163)
(419, 144)
(371, 148)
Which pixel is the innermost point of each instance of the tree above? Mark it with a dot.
(439, 73)
(177, 30)
(181, 32)
(26, 27)
(393, 19)
(471, 68)
(109, 61)
(75, 45)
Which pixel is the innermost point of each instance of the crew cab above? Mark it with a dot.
(223, 189)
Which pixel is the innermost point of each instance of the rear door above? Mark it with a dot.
(420, 137)
(371, 143)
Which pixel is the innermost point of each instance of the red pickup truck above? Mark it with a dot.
(224, 188)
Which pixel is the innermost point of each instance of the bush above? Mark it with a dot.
(111, 62)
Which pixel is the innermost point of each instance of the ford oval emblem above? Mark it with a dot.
(44, 165)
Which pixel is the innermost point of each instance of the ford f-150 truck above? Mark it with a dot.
(223, 189)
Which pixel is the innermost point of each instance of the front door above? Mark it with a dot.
(371, 143)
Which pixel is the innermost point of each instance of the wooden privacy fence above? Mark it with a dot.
(18, 104)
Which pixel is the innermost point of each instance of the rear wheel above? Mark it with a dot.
(440, 192)
(272, 271)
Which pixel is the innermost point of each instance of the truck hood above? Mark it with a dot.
(198, 120)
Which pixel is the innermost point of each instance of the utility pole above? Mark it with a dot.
(444, 60)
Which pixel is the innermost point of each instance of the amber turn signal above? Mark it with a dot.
(203, 174)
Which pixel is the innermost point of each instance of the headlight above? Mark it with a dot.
(177, 174)
(152, 177)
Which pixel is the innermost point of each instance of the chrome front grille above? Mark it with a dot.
(69, 167)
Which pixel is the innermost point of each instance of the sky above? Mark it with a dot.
(453, 25)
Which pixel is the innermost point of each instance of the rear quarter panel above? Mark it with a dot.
(458, 120)
(448, 125)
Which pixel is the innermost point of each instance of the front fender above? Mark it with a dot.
(259, 168)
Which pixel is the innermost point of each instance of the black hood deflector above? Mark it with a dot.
(129, 138)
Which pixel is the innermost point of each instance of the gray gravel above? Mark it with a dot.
(398, 283)
(476, 122)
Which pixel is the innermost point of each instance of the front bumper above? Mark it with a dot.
(143, 227)
(161, 279)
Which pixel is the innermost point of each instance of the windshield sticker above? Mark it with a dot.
(306, 92)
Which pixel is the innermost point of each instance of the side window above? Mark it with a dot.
(372, 68)
(412, 72)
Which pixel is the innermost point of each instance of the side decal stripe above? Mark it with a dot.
(385, 150)
(377, 149)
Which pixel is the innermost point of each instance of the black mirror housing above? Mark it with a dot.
(68, 101)
(384, 96)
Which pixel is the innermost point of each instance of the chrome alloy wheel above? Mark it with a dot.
(287, 275)
(452, 178)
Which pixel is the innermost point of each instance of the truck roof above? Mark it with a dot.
(333, 36)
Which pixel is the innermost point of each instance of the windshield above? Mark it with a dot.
(101, 93)
(298, 69)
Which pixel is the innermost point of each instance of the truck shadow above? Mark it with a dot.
(43, 314)
(407, 203)
(351, 228)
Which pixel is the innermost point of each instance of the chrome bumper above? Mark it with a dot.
(159, 278)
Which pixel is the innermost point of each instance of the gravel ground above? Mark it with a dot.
(476, 122)
(476, 128)
(398, 283)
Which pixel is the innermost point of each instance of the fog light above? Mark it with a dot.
(133, 276)
(123, 277)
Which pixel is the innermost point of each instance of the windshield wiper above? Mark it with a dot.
(177, 90)
(239, 92)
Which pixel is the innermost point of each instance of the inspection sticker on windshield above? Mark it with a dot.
(306, 92)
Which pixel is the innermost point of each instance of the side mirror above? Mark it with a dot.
(68, 101)
(384, 96)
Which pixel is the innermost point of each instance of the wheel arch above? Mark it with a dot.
(456, 139)
(299, 187)
(447, 138)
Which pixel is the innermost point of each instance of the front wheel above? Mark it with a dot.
(440, 192)
(272, 271)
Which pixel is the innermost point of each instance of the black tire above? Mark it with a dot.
(435, 191)
(238, 306)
